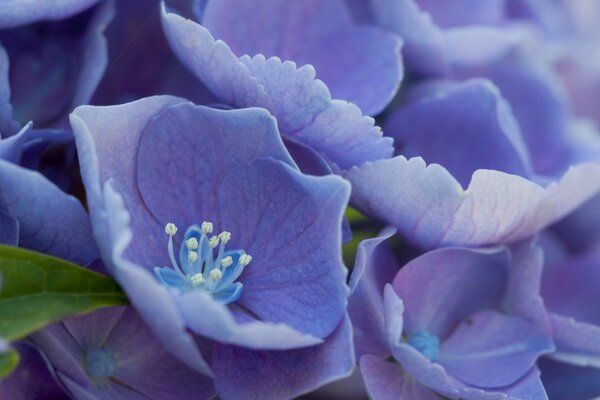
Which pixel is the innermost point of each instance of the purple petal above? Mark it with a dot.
(303, 106)
(184, 154)
(7, 125)
(570, 288)
(207, 317)
(9, 230)
(441, 288)
(246, 374)
(540, 108)
(292, 231)
(564, 381)
(477, 45)
(50, 221)
(529, 387)
(464, 127)
(464, 12)
(492, 350)
(31, 379)
(96, 140)
(577, 343)
(430, 208)
(375, 266)
(320, 33)
(20, 12)
(387, 381)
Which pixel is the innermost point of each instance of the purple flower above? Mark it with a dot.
(464, 323)
(48, 68)
(111, 353)
(317, 126)
(203, 218)
(483, 191)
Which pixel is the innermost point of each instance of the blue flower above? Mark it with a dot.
(252, 222)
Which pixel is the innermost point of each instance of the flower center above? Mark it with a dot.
(205, 264)
(426, 343)
(100, 363)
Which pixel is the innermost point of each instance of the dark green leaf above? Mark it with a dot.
(37, 289)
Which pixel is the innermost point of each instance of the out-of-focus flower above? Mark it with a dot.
(460, 322)
(48, 68)
(306, 115)
(259, 267)
(111, 353)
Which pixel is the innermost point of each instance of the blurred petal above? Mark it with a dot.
(20, 12)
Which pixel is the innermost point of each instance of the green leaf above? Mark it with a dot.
(8, 362)
(37, 289)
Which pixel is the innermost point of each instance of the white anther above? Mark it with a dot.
(216, 274)
(213, 242)
(197, 279)
(245, 259)
(225, 236)
(192, 243)
(207, 227)
(170, 229)
(192, 256)
(226, 261)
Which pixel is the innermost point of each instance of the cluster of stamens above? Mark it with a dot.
(200, 267)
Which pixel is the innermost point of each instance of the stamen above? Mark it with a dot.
(227, 262)
(213, 242)
(197, 279)
(216, 274)
(225, 236)
(206, 227)
(192, 243)
(170, 229)
(245, 259)
(192, 256)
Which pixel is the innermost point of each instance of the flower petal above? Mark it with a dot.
(320, 33)
(21, 12)
(293, 232)
(491, 350)
(249, 374)
(430, 208)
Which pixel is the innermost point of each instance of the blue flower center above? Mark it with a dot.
(204, 264)
(100, 363)
(426, 343)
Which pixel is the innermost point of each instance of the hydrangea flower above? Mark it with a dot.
(48, 68)
(203, 218)
(111, 353)
(463, 323)
(312, 123)
(480, 187)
